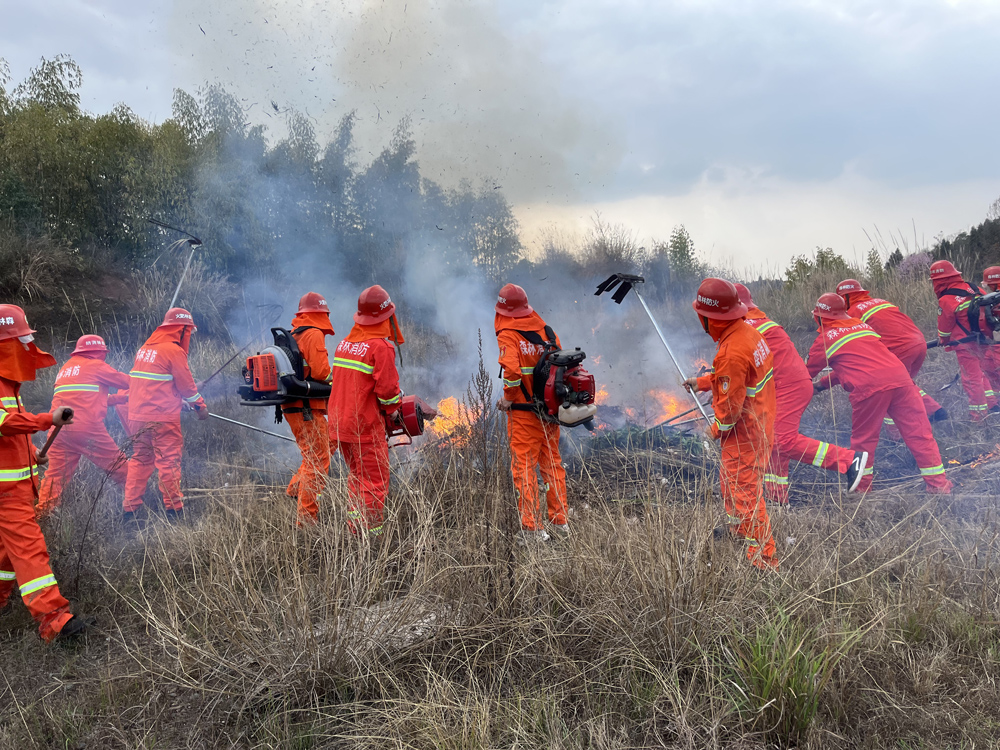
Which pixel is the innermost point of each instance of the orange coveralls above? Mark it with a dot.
(900, 336)
(877, 384)
(83, 384)
(24, 559)
(793, 391)
(310, 428)
(743, 398)
(534, 444)
(365, 384)
(160, 382)
(953, 323)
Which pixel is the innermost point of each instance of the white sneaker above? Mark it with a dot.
(529, 537)
(561, 528)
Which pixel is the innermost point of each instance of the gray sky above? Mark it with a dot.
(766, 127)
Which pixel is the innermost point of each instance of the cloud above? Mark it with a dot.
(754, 223)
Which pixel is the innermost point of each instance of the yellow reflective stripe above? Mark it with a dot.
(932, 471)
(723, 427)
(868, 470)
(376, 531)
(351, 364)
(990, 393)
(775, 479)
(963, 305)
(73, 388)
(527, 370)
(39, 583)
(192, 399)
(889, 421)
(9, 402)
(354, 514)
(511, 383)
(7, 575)
(852, 337)
(3, 417)
(821, 452)
(394, 400)
(878, 308)
(17, 475)
(767, 325)
(751, 392)
(150, 376)
(977, 407)
(923, 392)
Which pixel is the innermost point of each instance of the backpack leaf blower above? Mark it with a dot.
(408, 421)
(562, 391)
(276, 376)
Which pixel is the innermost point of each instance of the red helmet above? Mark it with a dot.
(13, 324)
(90, 343)
(831, 307)
(512, 302)
(850, 286)
(374, 306)
(313, 302)
(178, 316)
(745, 297)
(719, 300)
(943, 269)
(991, 276)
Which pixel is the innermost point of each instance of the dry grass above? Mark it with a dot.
(234, 629)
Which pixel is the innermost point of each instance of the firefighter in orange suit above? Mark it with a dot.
(793, 392)
(955, 296)
(877, 384)
(743, 398)
(899, 334)
(160, 386)
(534, 444)
(364, 392)
(310, 327)
(991, 352)
(24, 560)
(82, 384)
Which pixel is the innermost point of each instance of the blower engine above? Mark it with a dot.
(409, 420)
(276, 376)
(562, 390)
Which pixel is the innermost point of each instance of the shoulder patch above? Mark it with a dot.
(724, 383)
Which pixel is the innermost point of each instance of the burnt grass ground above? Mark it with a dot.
(235, 629)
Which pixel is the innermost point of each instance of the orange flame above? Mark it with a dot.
(452, 423)
(666, 405)
(601, 397)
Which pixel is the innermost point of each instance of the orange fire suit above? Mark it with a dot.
(365, 386)
(24, 559)
(534, 444)
(953, 324)
(160, 383)
(82, 384)
(900, 336)
(743, 398)
(309, 425)
(877, 384)
(793, 392)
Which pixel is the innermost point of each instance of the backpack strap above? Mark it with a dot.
(303, 329)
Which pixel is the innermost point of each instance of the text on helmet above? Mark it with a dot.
(94, 342)
(6, 321)
(708, 301)
(385, 304)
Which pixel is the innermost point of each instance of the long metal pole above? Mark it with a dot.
(659, 332)
(183, 274)
(251, 427)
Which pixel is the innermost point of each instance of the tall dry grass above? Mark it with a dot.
(235, 629)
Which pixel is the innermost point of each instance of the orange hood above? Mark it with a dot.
(531, 322)
(320, 320)
(755, 313)
(718, 327)
(19, 362)
(387, 329)
(173, 335)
